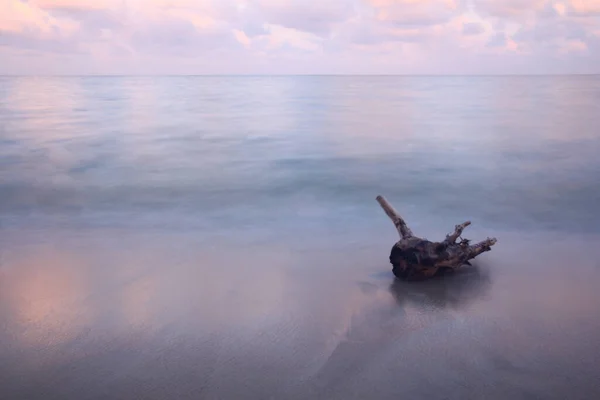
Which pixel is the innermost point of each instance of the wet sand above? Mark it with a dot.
(125, 315)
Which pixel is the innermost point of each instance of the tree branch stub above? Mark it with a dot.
(403, 229)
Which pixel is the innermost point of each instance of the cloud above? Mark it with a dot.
(509, 8)
(24, 26)
(518, 8)
(413, 12)
(36, 42)
(585, 7)
(318, 17)
(18, 16)
(299, 35)
(543, 29)
(499, 39)
(177, 36)
(369, 32)
(241, 37)
(381, 23)
(472, 28)
(573, 46)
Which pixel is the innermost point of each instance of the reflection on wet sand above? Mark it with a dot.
(164, 316)
(453, 290)
(44, 295)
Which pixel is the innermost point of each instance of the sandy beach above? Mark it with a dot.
(122, 316)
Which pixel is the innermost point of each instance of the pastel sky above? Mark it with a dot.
(299, 36)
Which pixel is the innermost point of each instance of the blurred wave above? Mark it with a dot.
(516, 153)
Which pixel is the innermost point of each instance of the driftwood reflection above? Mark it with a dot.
(450, 290)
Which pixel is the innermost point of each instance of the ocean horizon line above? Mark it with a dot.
(294, 75)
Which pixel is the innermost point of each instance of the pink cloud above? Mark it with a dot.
(414, 12)
(371, 35)
(512, 9)
(318, 17)
(76, 4)
(17, 16)
(585, 7)
(573, 46)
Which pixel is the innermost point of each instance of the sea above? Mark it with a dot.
(218, 237)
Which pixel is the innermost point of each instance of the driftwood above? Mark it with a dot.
(414, 258)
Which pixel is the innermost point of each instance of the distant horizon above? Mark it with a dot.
(293, 75)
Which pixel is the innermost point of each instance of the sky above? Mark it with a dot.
(66, 37)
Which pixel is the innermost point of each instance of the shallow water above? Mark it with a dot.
(218, 237)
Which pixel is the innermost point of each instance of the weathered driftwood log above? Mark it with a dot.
(414, 258)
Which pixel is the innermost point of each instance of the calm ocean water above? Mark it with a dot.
(215, 153)
(176, 237)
